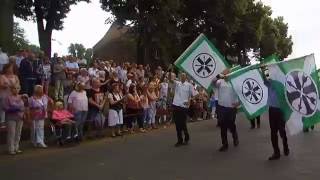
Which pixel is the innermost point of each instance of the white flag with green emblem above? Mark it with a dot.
(202, 61)
(249, 85)
(296, 83)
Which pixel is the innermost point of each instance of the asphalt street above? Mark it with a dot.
(152, 156)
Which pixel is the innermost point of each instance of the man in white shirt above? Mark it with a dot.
(21, 55)
(72, 66)
(82, 62)
(181, 101)
(93, 71)
(227, 105)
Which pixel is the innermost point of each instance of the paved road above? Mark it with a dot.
(152, 156)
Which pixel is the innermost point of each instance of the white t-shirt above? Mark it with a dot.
(129, 82)
(226, 95)
(93, 72)
(79, 101)
(18, 60)
(85, 80)
(164, 90)
(82, 61)
(183, 92)
(72, 65)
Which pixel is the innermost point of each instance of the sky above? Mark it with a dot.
(86, 24)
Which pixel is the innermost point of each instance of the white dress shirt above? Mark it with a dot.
(72, 65)
(182, 94)
(226, 95)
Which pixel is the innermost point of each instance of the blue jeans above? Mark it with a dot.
(80, 117)
(152, 113)
(146, 117)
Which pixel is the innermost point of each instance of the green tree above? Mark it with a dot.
(77, 50)
(48, 15)
(20, 41)
(6, 27)
(88, 55)
(153, 23)
(275, 39)
(236, 27)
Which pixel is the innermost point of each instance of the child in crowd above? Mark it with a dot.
(145, 104)
(38, 104)
(163, 100)
(212, 105)
(153, 96)
(14, 109)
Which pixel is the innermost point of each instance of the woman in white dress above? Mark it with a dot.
(115, 116)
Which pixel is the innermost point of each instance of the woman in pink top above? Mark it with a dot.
(63, 118)
(14, 107)
(8, 79)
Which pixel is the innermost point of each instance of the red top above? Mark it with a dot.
(61, 115)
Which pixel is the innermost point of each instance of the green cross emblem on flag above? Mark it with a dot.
(248, 84)
(296, 83)
(202, 61)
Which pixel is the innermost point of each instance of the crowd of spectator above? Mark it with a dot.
(84, 99)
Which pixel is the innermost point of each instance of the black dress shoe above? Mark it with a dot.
(186, 143)
(286, 151)
(236, 143)
(223, 149)
(178, 144)
(274, 157)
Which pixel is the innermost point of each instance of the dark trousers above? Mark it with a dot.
(134, 115)
(253, 122)
(227, 117)
(277, 124)
(180, 120)
(27, 85)
(218, 114)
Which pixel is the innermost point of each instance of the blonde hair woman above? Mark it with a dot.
(14, 108)
(38, 104)
(153, 96)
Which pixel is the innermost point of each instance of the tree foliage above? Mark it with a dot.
(77, 50)
(236, 27)
(48, 14)
(20, 42)
(153, 23)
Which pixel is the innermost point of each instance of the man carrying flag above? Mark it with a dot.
(296, 83)
(228, 103)
(277, 122)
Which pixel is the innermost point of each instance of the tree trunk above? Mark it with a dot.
(6, 25)
(45, 41)
(44, 34)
